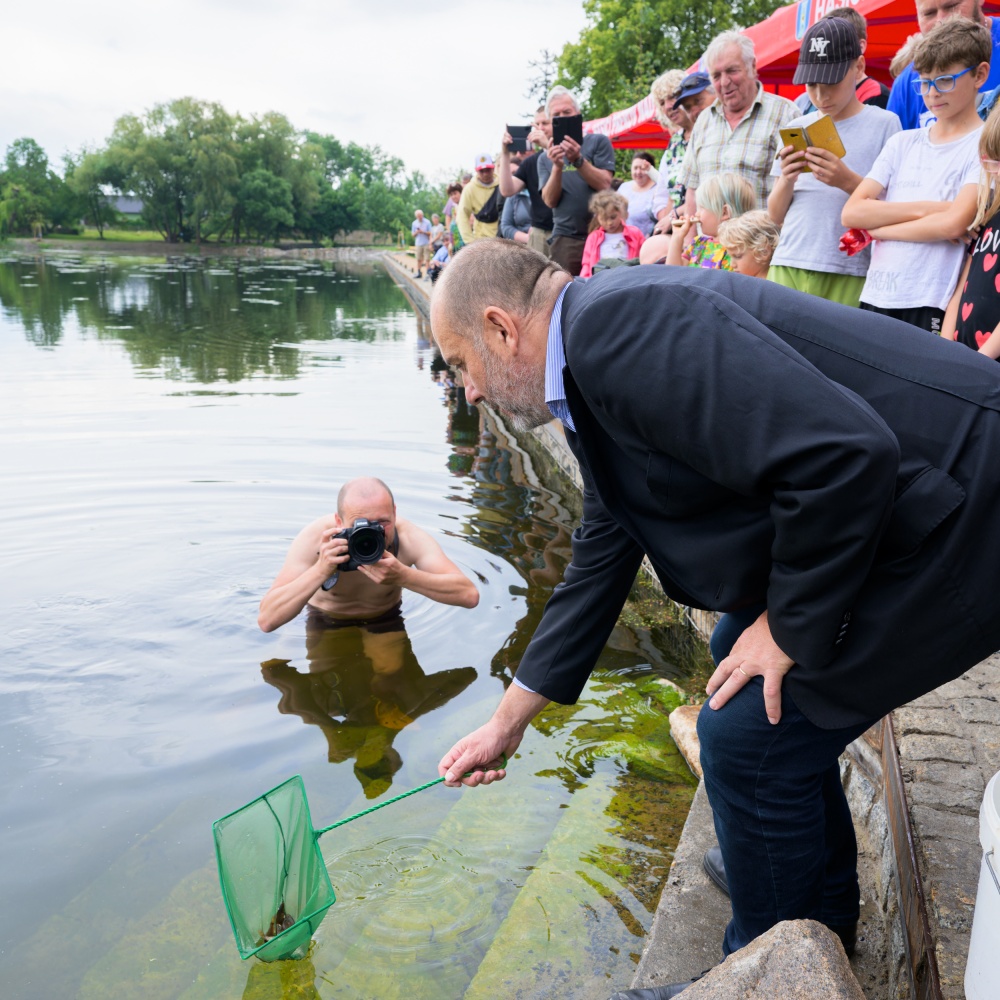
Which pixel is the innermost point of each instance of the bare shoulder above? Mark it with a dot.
(308, 538)
(417, 547)
(411, 534)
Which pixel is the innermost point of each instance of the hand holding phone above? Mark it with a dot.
(516, 138)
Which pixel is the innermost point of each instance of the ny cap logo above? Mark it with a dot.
(818, 45)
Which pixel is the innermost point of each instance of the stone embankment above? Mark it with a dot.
(915, 783)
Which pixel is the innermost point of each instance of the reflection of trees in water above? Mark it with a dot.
(362, 688)
(530, 526)
(195, 318)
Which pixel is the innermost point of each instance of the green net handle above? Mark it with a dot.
(395, 798)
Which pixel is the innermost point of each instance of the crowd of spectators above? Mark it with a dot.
(896, 213)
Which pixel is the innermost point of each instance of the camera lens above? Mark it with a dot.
(367, 544)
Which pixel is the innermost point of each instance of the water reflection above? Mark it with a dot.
(363, 687)
(201, 319)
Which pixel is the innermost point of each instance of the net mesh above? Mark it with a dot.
(274, 883)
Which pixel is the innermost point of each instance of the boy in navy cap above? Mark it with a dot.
(807, 203)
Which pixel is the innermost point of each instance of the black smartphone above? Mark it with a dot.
(568, 125)
(519, 135)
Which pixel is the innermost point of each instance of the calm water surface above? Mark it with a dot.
(166, 427)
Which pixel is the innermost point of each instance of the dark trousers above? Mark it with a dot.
(781, 815)
(567, 251)
(927, 318)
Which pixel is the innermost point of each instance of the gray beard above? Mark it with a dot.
(519, 394)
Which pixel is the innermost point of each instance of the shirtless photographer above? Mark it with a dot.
(321, 572)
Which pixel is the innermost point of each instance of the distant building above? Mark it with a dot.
(124, 204)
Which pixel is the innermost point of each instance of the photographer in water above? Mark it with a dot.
(354, 573)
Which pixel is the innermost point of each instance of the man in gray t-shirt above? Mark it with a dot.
(567, 177)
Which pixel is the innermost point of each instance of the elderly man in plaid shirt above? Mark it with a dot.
(738, 133)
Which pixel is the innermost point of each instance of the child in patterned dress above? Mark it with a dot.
(721, 197)
(973, 314)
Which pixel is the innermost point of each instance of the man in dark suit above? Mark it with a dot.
(826, 478)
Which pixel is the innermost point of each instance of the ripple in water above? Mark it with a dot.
(399, 891)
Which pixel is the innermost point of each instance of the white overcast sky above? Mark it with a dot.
(431, 81)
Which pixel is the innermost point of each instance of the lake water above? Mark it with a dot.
(166, 427)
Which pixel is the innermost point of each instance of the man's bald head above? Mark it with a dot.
(491, 273)
(358, 492)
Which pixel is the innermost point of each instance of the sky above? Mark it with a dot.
(432, 81)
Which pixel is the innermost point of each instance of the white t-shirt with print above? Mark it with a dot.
(613, 246)
(912, 168)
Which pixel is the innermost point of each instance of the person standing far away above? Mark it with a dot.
(437, 232)
(738, 133)
(421, 230)
(568, 176)
(903, 99)
(479, 199)
(639, 193)
(524, 177)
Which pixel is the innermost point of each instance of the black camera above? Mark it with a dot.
(365, 543)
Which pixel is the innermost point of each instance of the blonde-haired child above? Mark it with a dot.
(721, 197)
(750, 240)
(612, 239)
(973, 314)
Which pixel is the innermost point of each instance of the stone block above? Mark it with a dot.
(942, 772)
(950, 871)
(954, 798)
(936, 824)
(974, 684)
(950, 748)
(683, 728)
(979, 710)
(927, 721)
(794, 960)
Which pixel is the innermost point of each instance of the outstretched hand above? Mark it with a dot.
(479, 753)
(754, 653)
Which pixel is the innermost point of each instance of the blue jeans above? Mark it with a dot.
(781, 815)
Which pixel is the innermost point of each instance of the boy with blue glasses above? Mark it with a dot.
(919, 197)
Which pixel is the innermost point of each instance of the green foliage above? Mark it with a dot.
(628, 43)
(265, 204)
(33, 198)
(203, 173)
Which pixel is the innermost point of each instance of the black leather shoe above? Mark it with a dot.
(715, 867)
(655, 992)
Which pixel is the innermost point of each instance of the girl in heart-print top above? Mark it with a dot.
(973, 315)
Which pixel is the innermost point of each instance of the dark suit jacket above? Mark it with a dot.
(765, 445)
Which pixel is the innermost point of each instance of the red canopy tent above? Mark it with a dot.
(636, 127)
(778, 39)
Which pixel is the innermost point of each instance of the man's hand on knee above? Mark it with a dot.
(754, 653)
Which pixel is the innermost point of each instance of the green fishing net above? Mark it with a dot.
(274, 882)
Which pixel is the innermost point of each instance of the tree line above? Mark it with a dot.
(204, 174)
